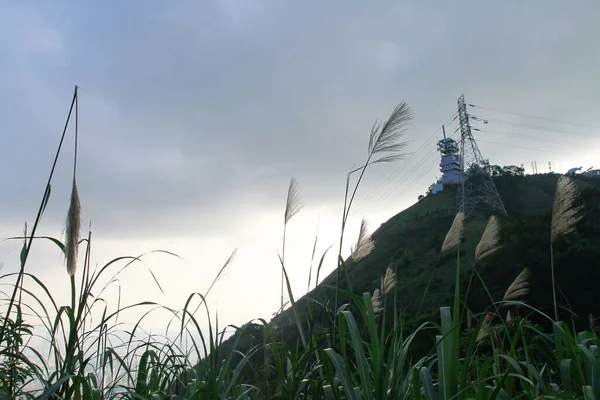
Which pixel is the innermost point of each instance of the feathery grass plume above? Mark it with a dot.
(364, 244)
(565, 214)
(292, 207)
(72, 231)
(455, 233)
(484, 331)
(292, 204)
(377, 301)
(489, 240)
(388, 282)
(519, 287)
(508, 316)
(385, 139)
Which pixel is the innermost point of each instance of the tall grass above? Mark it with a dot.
(361, 354)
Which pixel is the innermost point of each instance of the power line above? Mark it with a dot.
(527, 137)
(537, 128)
(526, 148)
(392, 191)
(536, 117)
(403, 167)
(408, 173)
(416, 180)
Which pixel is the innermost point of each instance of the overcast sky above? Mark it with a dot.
(195, 114)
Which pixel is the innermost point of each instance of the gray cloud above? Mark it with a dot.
(202, 111)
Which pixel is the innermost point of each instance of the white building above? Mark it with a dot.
(450, 163)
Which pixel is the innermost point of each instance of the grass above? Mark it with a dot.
(362, 349)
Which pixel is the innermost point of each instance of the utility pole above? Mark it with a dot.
(477, 189)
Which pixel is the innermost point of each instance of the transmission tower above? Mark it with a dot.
(477, 189)
(534, 167)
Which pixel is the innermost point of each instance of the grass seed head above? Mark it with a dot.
(388, 281)
(484, 331)
(364, 244)
(72, 231)
(454, 235)
(385, 143)
(565, 214)
(377, 301)
(489, 240)
(519, 287)
(292, 204)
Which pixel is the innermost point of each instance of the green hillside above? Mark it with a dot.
(410, 244)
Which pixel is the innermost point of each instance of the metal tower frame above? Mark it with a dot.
(477, 189)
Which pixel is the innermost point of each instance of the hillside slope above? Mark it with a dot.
(410, 244)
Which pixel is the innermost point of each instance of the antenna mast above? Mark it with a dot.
(477, 189)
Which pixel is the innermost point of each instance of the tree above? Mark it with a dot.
(513, 170)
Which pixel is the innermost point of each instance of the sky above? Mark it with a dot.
(195, 115)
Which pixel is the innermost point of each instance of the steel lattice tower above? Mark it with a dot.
(477, 189)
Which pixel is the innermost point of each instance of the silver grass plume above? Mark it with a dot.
(364, 243)
(293, 204)
(484, 331)
(388, 282)
(377, 301)
(565, 214)
(385, 139)
(519, 287)
(73, 230)
(455, 233)
(489, 240)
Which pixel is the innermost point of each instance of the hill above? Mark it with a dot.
(410, 242)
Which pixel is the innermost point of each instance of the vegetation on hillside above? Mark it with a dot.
(430, 306)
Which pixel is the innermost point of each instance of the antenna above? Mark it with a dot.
(477, 189)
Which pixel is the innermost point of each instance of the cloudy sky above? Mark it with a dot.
(195, 114)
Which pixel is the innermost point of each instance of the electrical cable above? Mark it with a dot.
(408, 174)
(361, 205)
(537, 128)
(536, 117)
(535, 138)
(523, 147)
